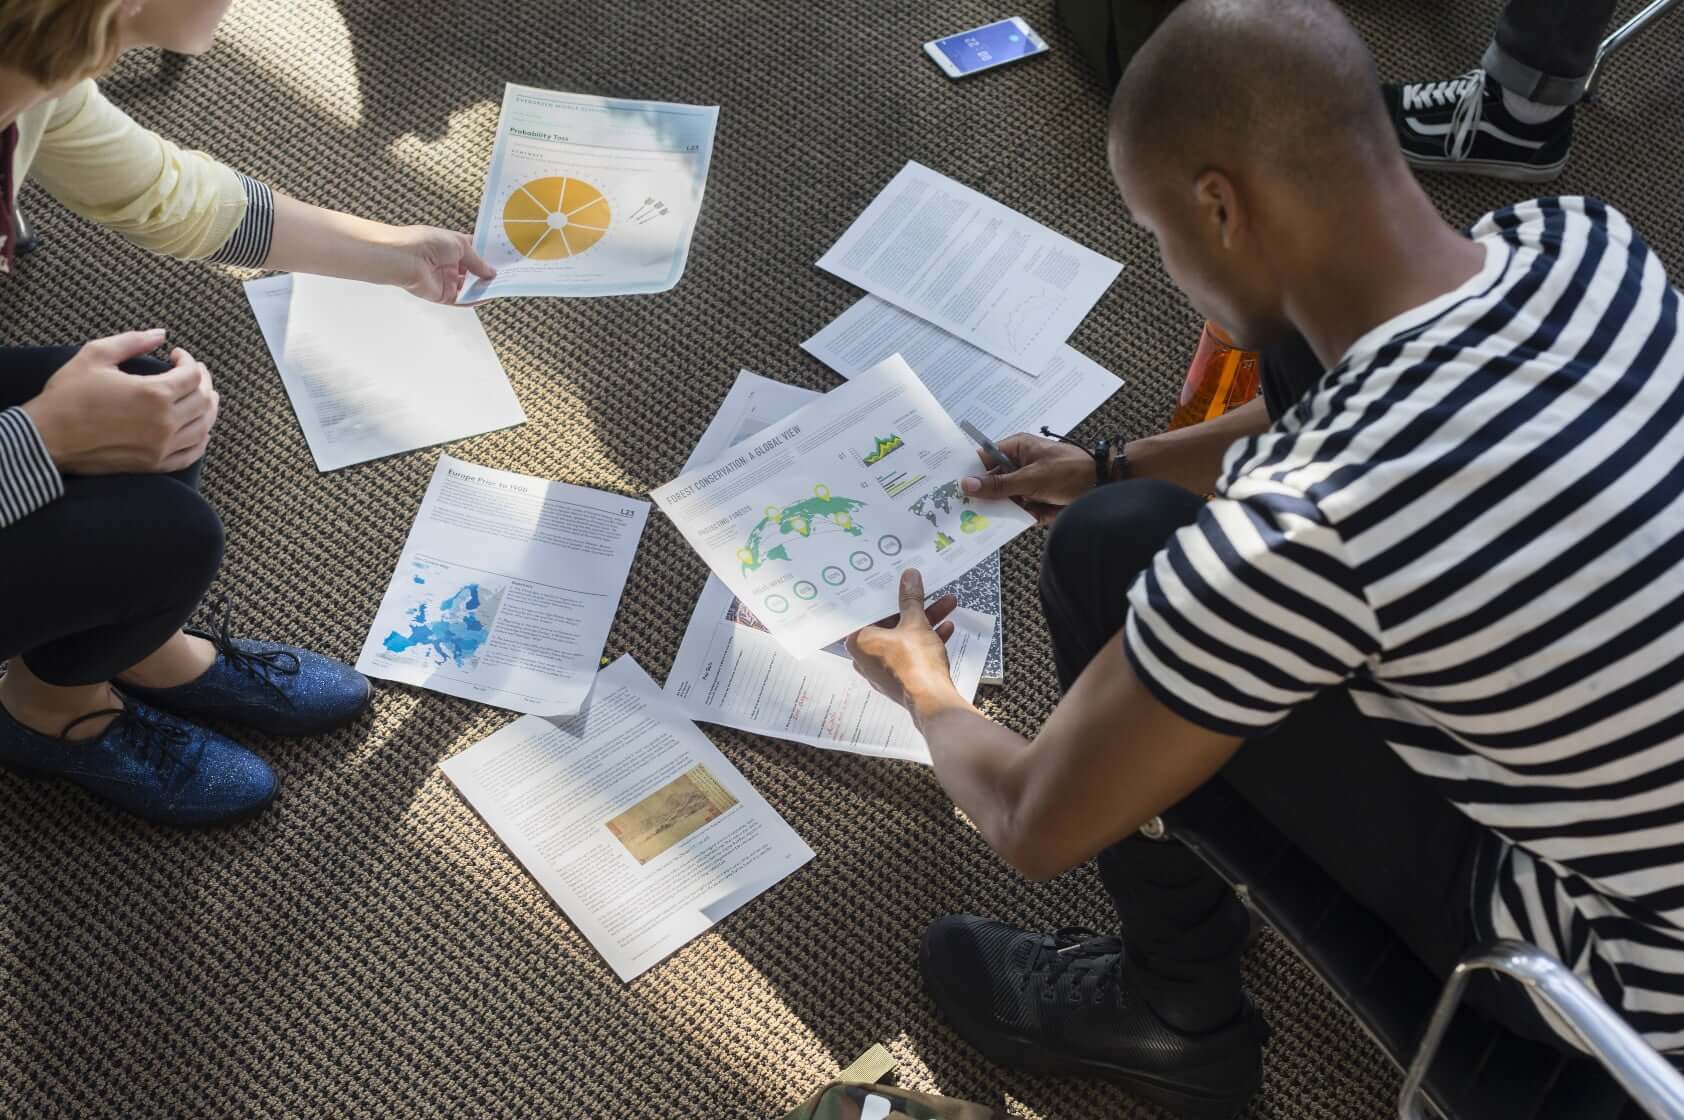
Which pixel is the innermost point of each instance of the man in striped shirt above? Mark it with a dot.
(1429, 624)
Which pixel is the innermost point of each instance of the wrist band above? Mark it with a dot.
(1101, 452)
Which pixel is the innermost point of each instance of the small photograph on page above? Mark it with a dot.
(673, 812)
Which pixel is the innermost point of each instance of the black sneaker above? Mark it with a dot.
(1063, 1004)
(1461, 124)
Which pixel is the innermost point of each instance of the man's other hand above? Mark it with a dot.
(1049, 476)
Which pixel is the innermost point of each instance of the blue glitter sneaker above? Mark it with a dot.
(266, 686)
(148, 763)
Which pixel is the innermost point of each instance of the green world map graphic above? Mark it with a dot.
(820, 513)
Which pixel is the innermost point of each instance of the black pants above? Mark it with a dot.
(1544, 49)
(1323, 779)
(112, 568)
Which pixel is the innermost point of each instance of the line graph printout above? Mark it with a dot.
(975, 268)
(590, 196)
(812, 538)
(505, 589)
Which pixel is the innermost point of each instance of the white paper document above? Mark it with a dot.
(739, 676)
(373, 371)
(978, 270)
(756, 402)
(811, 522)
(505, 589)
(590, 196)
(970, 383)
(629, 818)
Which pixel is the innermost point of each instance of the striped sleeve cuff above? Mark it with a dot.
(28, 478)
(248, 246)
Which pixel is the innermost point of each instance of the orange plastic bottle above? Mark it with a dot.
(1220, 377)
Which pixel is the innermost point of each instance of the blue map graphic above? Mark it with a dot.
(447, 631)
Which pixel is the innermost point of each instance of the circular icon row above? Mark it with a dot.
(833, 575)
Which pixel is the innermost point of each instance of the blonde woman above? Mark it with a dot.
(106, 547)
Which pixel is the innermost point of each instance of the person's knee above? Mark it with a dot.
(1119, 527)
(183, 533)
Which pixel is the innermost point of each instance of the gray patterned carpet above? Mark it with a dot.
(366, 948)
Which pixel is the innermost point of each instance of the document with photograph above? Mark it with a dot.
(629, 818)
(373, 371)
(811, 522)
(590, 196)
(505, 589)
(736, 675)
(971, 384)
(978, 270)
(755, 402)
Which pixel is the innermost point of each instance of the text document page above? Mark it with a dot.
(373, 371)
(978, 270)
(505, 589)
(629, 818)
(971, 384)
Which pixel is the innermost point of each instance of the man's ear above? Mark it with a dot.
(1218, 202)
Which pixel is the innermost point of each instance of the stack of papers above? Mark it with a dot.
(638, 828)
(731, 671)
(505, 589)
(811, 522)
(739, 676)
(756, 402)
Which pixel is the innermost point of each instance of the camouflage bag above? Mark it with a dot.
(854, 1095)
(845, 1100)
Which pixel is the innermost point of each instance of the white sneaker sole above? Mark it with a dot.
(1490, 168)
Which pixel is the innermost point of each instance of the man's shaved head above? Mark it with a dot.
(1285, 85)
(1251, 139)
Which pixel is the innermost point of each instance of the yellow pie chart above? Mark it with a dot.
(554, 218)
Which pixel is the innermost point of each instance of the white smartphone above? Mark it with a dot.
(985, 47)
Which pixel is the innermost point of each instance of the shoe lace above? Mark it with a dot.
(262, 664)
(1464, 120)
(158, 743)
(1076, 949)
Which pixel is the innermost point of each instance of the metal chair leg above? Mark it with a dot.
(1621, 34)
(1652, 1082)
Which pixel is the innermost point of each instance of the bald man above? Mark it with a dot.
(1430, 624)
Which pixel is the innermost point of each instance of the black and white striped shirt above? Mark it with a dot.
(1475, 521)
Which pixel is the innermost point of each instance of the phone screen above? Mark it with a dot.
(997, 43)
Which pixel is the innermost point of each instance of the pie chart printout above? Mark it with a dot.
(556, 217)
(589, 196)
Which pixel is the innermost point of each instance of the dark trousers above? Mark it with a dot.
(98, 580)
(1323, 779)
(1544, 49)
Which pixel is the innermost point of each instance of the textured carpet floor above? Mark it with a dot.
(366, 948)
